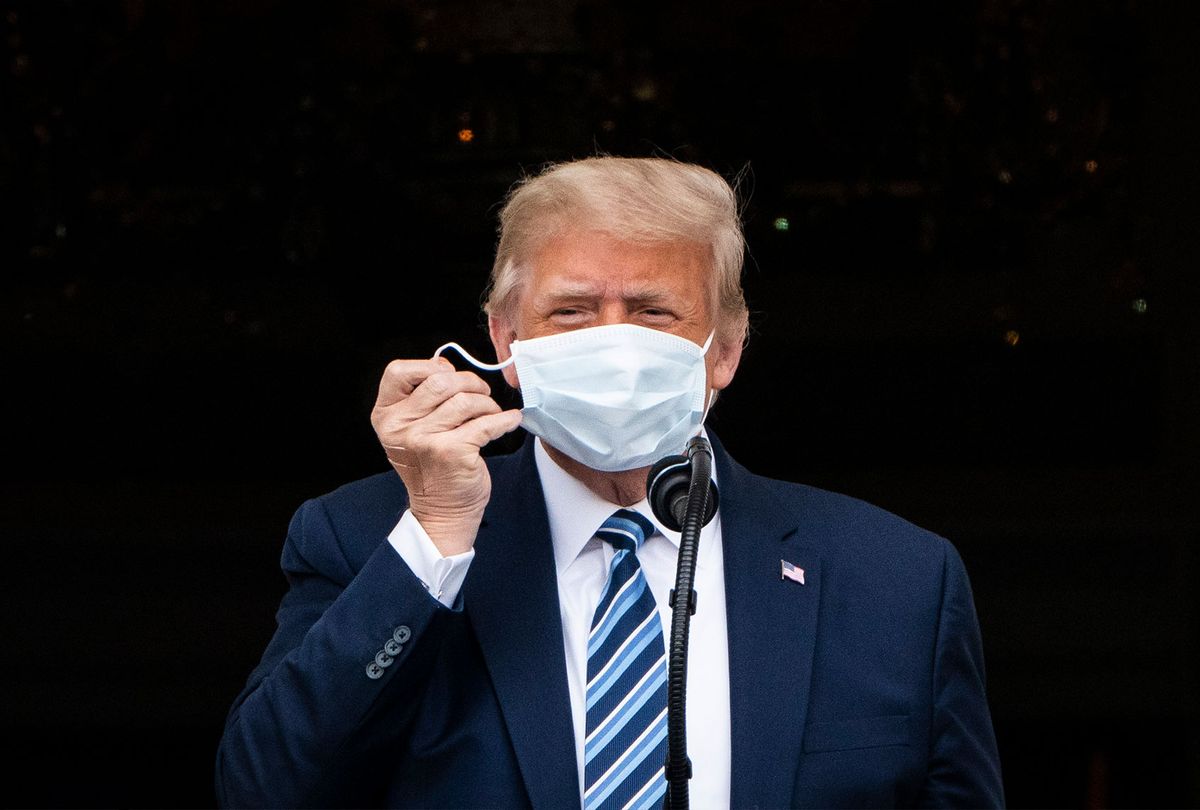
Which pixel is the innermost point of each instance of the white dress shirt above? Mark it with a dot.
(582, 560)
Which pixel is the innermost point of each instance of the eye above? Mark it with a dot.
(657, 315)
(569, 316)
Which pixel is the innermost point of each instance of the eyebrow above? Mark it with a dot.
(645, 295)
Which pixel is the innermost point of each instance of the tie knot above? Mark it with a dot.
(626, 529)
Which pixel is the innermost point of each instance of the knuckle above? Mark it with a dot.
(472, 381)
(416, 443)
(437, 384)
(393, 422)
(396, 368)
(394, 427)
(378, 419)
(443, 452)
(460, 404)
(473, 405)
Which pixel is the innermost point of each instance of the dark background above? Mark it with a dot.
(972, 274)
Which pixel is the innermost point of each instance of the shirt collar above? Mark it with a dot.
(576, 512)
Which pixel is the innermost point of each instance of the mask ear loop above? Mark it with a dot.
(467, 356)
(712, 395)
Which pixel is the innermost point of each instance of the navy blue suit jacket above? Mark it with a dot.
(863, 687)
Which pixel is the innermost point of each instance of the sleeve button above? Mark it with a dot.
(374, 671)
(383, 660)
(402, 634)
(393, 647)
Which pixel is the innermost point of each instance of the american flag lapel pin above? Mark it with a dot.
(793, 572)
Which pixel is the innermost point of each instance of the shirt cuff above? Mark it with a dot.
(442, 576)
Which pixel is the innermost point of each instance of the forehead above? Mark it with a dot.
(599, 262)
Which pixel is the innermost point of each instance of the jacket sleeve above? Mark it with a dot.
(289, 739)
(964, 765)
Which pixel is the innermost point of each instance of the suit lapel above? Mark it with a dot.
(511, 596)
(772, 629)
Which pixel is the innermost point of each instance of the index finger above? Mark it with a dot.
(401, 377)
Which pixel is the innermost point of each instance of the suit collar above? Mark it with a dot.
(576, 512)
(772, 625)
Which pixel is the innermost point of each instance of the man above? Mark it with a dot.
(462, 632)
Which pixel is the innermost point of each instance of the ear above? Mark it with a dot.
(502, 334)
(724, 365)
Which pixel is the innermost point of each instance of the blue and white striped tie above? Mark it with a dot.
(626, 744)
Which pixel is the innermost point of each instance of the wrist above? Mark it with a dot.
(451, 533)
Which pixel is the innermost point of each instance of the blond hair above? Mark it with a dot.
(646, 200)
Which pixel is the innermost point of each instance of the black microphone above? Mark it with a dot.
(668, 483)
(683, 498)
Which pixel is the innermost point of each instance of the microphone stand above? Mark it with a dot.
(683, 498)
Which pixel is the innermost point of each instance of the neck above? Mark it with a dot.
(623, 488)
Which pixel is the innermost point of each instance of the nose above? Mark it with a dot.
(612, 312)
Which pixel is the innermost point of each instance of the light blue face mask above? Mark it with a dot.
(617, 397)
